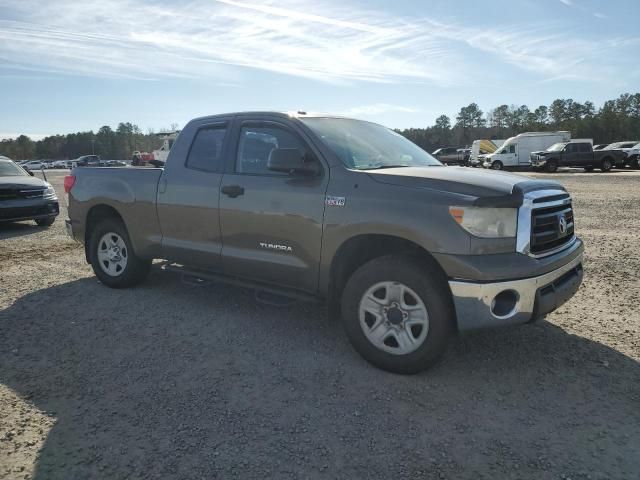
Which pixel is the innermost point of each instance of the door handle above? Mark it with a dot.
(232, 191)
(163, 186)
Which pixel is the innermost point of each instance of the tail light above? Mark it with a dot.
(69, 182)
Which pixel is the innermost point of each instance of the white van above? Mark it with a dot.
(482, 147)
(515, 152)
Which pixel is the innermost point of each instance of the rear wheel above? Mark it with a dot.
(606, 164)
(497, 165)
(112, 257)
(398, 314)
(635, 163)
(551, 166)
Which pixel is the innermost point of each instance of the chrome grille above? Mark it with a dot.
(551, 227)
(545, 223)
(17, 193)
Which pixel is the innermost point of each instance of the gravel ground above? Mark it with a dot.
(170, 380)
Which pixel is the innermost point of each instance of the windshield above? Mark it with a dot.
(556, 147)
(613, 146)
(506, 145)
(364, 146)
(10, 169)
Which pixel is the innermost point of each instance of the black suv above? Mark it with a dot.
(89, 161)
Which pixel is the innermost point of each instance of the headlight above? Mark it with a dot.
(49, 192)
(486, 222)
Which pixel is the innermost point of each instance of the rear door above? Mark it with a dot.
(585, 152)
(271, 222)
(189, 199)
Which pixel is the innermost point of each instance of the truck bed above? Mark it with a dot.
(130, 191)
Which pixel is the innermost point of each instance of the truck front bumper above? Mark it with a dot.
(485, 305)
(538, 163)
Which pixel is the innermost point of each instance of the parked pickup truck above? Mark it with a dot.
(408, 251)
(576, 154)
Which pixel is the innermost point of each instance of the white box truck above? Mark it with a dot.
(516, 151)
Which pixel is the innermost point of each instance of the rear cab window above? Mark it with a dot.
(584, 148)
(206, 150)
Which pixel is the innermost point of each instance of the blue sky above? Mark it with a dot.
(68, 65)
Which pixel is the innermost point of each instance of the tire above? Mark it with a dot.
(635, 163)
(125, 269)
(425, 296)
(497, 165)
(551, 166)
(606, 164)
(45, 222)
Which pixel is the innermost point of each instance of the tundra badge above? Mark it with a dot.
(274, 246)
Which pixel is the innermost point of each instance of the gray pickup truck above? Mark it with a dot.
(406, 250)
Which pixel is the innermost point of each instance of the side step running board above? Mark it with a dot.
(202, 278)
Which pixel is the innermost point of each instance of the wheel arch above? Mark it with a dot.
(362, 248)
(95, 215)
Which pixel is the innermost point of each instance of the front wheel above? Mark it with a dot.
(45, 222)
(606, 165)
(635, 163)
(551, 166)
(397, 314)
(112, 257)
(497, 165)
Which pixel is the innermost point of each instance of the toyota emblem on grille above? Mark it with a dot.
(562, 224)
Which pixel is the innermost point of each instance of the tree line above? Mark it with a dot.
(615, 120)
(106, 142)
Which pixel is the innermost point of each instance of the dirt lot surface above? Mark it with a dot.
(169, 380)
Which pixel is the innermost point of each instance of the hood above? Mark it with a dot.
(13, 181)
(488, 186)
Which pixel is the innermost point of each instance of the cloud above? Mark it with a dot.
(32, 136)
(226, 40)
(376, 109)
(567, 2)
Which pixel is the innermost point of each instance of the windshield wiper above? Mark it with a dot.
(379, 167)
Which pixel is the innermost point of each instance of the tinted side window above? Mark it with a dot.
(256, 144)
(206, 149)
(584, 148)
(512, 149)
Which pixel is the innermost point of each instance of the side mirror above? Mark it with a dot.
(291, 160)
(29, 172)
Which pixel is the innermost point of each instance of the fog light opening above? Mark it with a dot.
(504, 304)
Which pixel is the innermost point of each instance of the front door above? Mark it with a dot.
(188, 201)
(271, 222)
(570, 155)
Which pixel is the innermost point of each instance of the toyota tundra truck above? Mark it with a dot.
(406, 250)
